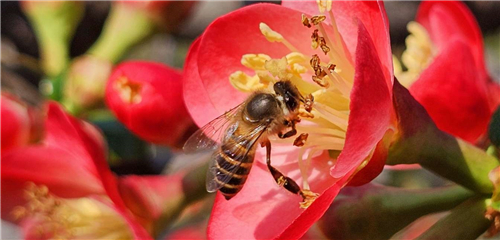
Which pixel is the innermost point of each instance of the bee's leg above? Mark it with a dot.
(281, 179)
(288, 183)
(291, 132)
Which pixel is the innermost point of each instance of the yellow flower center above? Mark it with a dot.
(417, 56)
(329, 81)
(59, 218)
(130, 92)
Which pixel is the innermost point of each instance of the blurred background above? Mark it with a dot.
(22, 74)
(20, 54)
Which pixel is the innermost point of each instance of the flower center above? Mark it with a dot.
(129, 92)
(417, 56)
(327, 75)
(59, 218)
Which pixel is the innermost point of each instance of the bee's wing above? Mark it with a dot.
(206, 137)
(215, 178)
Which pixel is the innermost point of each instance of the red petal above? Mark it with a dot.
(61, 131)
(376, 163)
(138, 231)
(196, 97)
(65, 174)
(62, 162)
(371, 106)
(110, 183)
(15, 123)
(446, 20)
(263, 210)
(229, 37)
(452, 93)
(347, 16)
(150, 196)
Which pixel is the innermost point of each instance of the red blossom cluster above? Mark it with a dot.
(362, 120)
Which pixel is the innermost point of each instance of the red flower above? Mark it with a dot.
(446, 69)
(352, 111)
(147, 98)
(66, 183)
(20, 123)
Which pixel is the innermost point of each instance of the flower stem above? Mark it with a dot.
(379, 211)
(54, 24)
(420, 141)
(124, 27)
(467, 221)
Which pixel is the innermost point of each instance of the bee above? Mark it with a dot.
(242, 128)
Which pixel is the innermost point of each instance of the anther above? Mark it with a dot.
(308, 197)
(323, 45)
(305, 21)
(317, 19)
(315, 39)
(331, 67)
(320, 72)
(320, 82)
(300, 140)
(308, 102)
(315, 62)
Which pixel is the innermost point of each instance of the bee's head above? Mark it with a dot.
(290, 93)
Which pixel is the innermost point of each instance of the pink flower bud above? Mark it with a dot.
(147, 98)
(86, 82)
(167, 15)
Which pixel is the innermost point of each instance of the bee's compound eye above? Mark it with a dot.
(261, 106)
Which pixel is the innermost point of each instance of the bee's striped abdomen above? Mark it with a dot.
(227, 159)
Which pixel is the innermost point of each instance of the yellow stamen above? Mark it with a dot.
(129, 91)
(80, 218)
(278, 68)
(324, 122)
(270, 35)
(334, 54)
(418, 54)
(308, 197)
(338, 81)
(295, 57)
(273, 36)
(265, 78)
(337, 38)
(255, 61)
(244, 82)
(398, 68)
(324, 5)
(296, 60)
